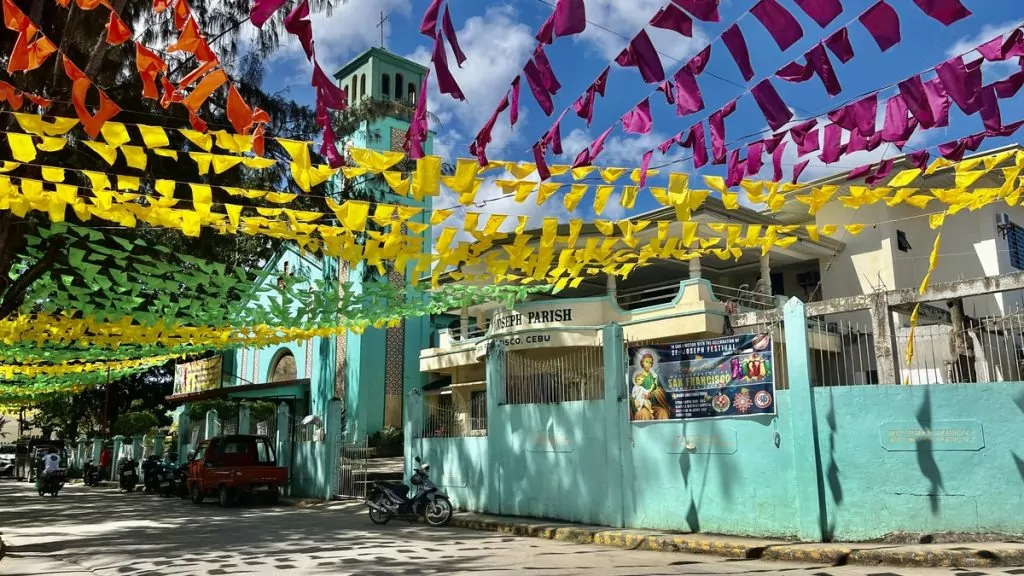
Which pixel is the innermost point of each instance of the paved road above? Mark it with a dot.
(102, 533)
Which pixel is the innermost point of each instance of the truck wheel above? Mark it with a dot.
(274, 498)
(224, 497)
(197, 494)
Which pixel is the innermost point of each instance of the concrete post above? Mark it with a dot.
(184, 434)
(497, 427)
(245, 416)
(97, 450)
(147, 443)
(80, 445)
(618, 449)
(332, 456)
(612, 286)
(464, 323)
(211, 424)
(695, 271)
(137, 446)
(766, 274)
(158, 445)
(283, 443)
(803, 426)
(118, 446)
(886, 361)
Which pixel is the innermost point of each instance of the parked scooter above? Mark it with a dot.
(90, 474)
(51, 483)
(389, 500)
(151, 473)
(181, 479)
(128, 473)
(168, 477)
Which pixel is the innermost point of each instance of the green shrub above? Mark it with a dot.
(135, 423)
(389, 441)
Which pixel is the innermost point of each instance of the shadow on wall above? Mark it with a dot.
(926, 455)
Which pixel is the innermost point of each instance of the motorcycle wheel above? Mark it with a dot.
(439, 513)
(378, 517)
(197, 494)
(41, 491)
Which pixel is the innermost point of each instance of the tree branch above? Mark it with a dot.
(15, 294)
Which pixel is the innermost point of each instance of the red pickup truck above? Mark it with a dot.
(231, 466)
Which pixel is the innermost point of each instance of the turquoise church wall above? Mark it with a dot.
(842, 463)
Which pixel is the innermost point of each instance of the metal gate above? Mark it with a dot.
(352, 469)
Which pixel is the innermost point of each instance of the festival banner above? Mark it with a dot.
(722, 377)
(198, 376)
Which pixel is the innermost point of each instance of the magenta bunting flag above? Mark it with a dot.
(798, 169)
(668, 90)
(667, 144)
(962, 82)
(772, 142)
(262, 10)
(832, 148)
(945, 11)
(859, 115)
(1009, 87)
(899, 125)
(428, 25)
(989, 109)
(795, 72)
(445, 81)
(536, 83)
(735, 169)
(547, 74)
(821, 11)
(570, 17)
(695, 141)
(955, 150)
(768, 100)
(782, 26)
(328, 92)
(939, 102)
(799, 131)
(478, 147)
(703, 10)
(883, 23)
(859, 142)
(688, 96)
(329, 151)
(717, 123)
(641, 53)
(542, 164)
(859, 172)
(670, 17)
(546, 34)
(297, 24)
(818, 63)
(919, 159)
(737, 45)
(645, 162)
(700, 60)
(883, 171)
(453, 40)
(755, 151)
(418, 131)
(598, 144)
(915, 99)
(553, 138)
(777, 161)
(839, 43)
(811, 142)
(584, 105)
(513, 114)
(638, 120)
(1006, 130)
(1000, 49)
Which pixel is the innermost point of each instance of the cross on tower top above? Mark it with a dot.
(380, 25)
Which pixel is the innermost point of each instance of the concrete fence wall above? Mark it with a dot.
(839, 463)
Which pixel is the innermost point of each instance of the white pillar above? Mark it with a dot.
(695, 268)
(464, 323)
(612, 287)
(766, 275)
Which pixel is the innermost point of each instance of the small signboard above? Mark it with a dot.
(198, 376)
(722, 377)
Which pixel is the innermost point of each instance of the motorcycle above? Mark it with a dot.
(181, 480)
(90, 474)
(168, 476)
(389, 500)
(151, 474)
(128, 474)
(51, 483)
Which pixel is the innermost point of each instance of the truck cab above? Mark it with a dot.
(230, 467)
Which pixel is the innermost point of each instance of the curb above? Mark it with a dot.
(836, 555)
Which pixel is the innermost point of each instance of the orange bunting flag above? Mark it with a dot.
(11, 95)
(64, 3)
(92, 4)
(181, 14)
(79, 89)
(171, 94)
(38, 100)
(149, 65)
(194, 75)
(239, 112)
(257, 140)
(191, 40)
(206, 86)
(14, 18)
(160, 5)
(198, 124)
(117, 31)
(27, 54)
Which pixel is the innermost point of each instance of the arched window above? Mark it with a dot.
(362, 85)
(355, 88)
(412, 92)
(385, 85)
(283, 369)
(398, 86)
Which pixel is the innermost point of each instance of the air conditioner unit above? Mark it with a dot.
(1002, 218)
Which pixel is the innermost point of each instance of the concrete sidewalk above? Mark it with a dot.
(964, 555)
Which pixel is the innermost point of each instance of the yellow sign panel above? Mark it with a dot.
(198, 376)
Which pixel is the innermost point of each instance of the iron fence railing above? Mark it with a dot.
(571, 376)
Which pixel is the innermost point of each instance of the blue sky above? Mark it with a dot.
(498, 38)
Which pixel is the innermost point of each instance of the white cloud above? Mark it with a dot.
(350, 28)
(627, 17)
(967, 45)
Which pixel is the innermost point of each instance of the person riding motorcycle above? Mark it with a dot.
(51, 462)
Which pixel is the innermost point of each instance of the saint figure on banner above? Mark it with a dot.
(648, 400)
